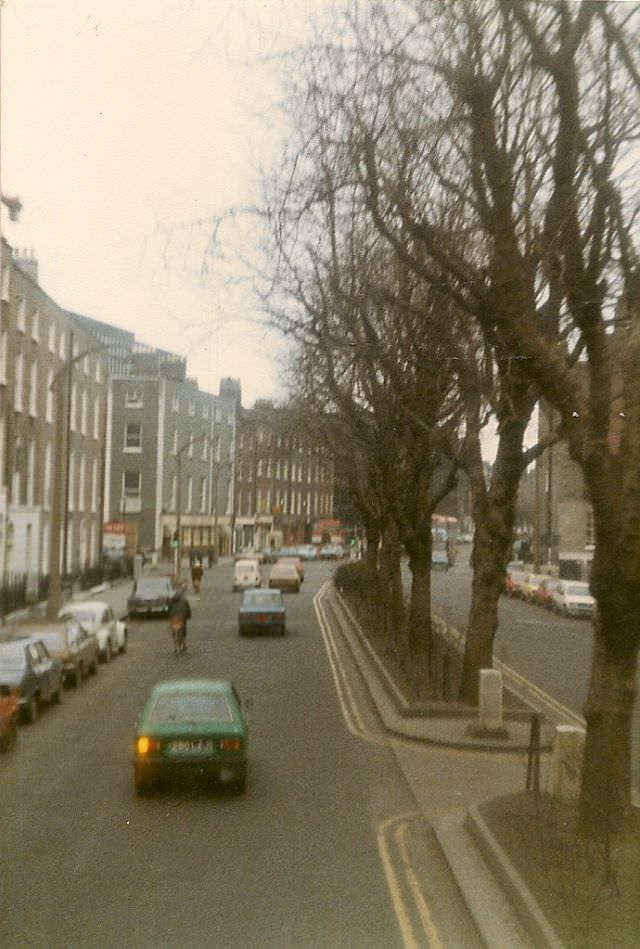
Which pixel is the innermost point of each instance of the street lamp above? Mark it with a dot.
(60, 494)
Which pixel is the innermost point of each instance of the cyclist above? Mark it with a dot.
(180, 609)
(196, 575)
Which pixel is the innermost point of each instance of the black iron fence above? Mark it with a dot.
(19, 591)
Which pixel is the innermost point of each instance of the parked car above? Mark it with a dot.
(98, 617)
(307, 552)
(513, 582)
(284, 576)
(246, 573)
(26, 665)
(151, 596)
(439, 560)
(529, 586)
(297, 562)
(542, 596)
(191, 728)
(262, 611)
(8, 717)
(331, 552)
(572, 598)
(73, 644)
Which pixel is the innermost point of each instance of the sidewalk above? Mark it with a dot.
(459, 773)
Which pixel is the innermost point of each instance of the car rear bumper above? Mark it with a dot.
(224, 772)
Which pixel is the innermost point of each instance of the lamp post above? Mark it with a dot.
(59, 526)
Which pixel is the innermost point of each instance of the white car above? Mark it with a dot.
(572, 598)
(97, 617)
(246, 573)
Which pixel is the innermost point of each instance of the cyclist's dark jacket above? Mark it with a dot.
(179, 607)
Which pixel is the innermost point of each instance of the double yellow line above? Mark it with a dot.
(410, 906)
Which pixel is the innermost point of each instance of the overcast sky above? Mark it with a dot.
(128, 126)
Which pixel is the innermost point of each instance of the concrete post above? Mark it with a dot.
(566, 762)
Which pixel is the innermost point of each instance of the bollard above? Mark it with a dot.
(566, 762)
(490, 723)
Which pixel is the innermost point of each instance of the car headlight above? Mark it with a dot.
(144, 745)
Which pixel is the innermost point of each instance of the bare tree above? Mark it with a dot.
(518, 209)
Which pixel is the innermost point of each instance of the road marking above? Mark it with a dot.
(348, 704)
(395, 829)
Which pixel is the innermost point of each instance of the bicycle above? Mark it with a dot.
(178, 634)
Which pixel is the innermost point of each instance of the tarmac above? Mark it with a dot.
(461, 771)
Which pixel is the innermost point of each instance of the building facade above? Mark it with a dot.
(53, 389)
(284, 479)
(170, 458)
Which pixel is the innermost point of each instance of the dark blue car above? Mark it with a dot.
(262, 611)
(25, 664)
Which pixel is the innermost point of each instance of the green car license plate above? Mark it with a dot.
(197, 746)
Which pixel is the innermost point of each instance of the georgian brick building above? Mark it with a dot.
(284, 479)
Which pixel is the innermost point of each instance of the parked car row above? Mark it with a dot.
(565, 597)
(37, 659)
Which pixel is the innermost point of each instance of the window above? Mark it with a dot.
(133, 399)
(52, 337)
(21, 319)
(84, 411)
(203, 495)
(6, 283)
(133, 437)
(175, 403)
(49, 402)
(174, 442)
(189, 493)
(97, 409)
(33, 389)
(192, 407)
(47, 476)
(82, 482)
(131, 484)
(203, 450)
(205, 411)
(74, 407)
(94, 485)
(35, 326)
(62, 345)
(18, 382)
(190, 448)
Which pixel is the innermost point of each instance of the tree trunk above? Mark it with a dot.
(482, 625)
(494, 516)
(419, 636)
(605, 797)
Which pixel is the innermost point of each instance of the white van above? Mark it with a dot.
(246, 573)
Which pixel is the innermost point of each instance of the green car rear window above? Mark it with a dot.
(192, 707)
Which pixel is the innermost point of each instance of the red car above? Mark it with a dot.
(8, 717)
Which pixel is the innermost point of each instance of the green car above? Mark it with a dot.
(191, 728)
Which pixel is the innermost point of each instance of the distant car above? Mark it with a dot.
(73, 644)
(307, 552)
(529, 586)
(284, 576)
(246, 574)
(8, 717)
(98, 617)
(262, 611)
(439, 560)
(572, 598)
(297, 562)
(248, 553)
(513, 582)
(330, 552)
(191, 728)
(26, 665)
(542, 596)
(151, 596)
